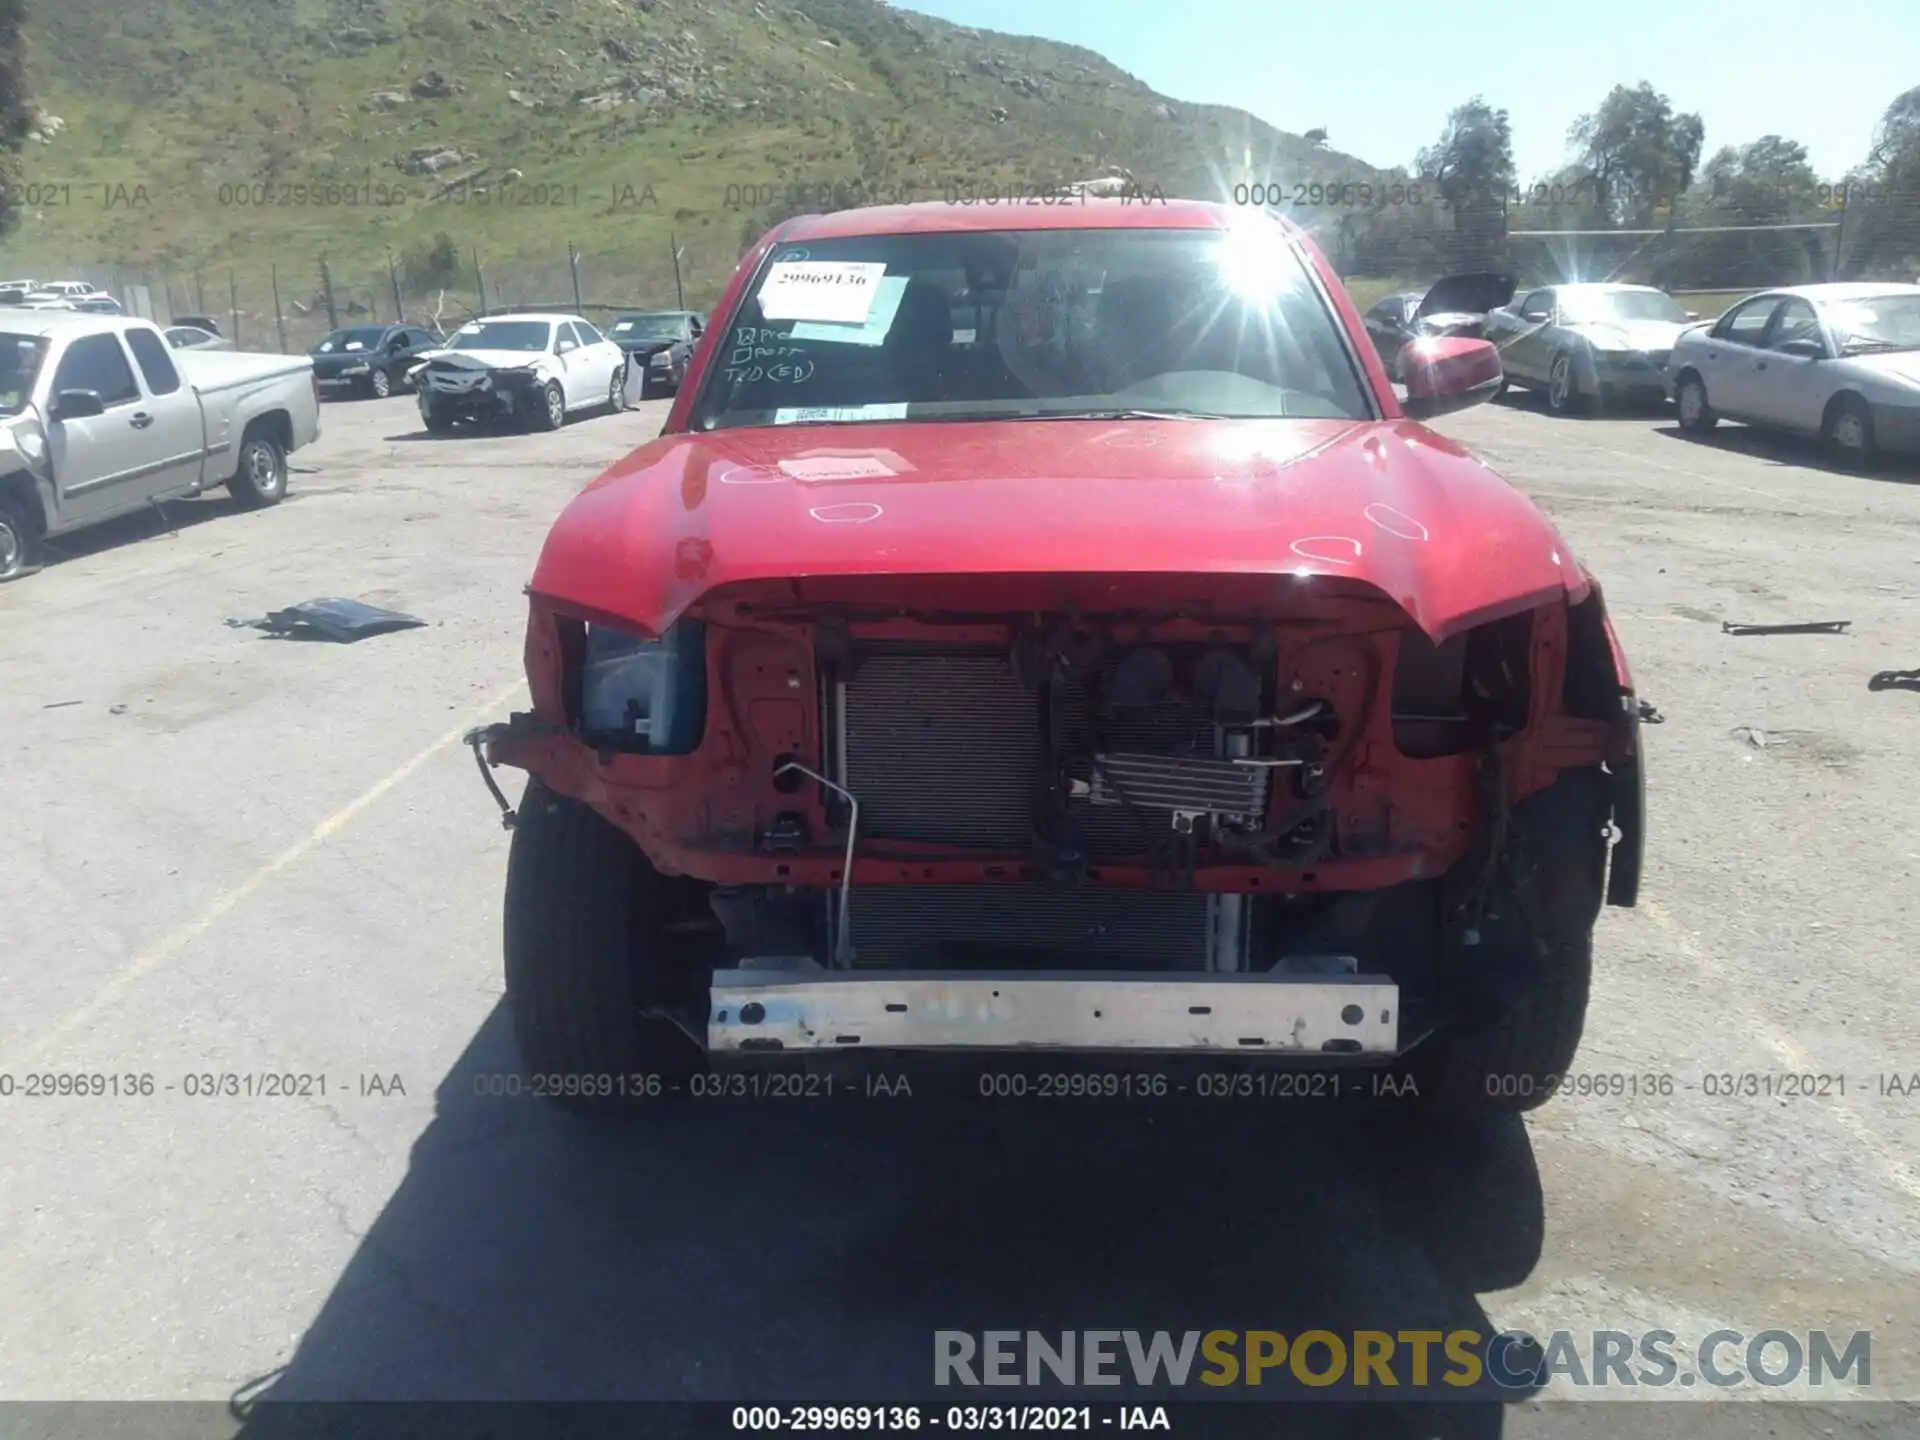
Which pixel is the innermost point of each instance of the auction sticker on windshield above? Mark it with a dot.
(870, 332)
(836, 292)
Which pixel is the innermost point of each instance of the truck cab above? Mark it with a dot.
(100, 417)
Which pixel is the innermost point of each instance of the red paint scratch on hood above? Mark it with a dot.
(1387, 503)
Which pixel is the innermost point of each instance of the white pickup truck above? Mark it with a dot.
(100, 417)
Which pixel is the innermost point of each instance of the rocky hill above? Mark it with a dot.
(181, 135)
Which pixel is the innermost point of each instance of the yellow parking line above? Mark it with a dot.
(171, 945)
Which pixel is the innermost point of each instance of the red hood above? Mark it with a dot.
(1387, 503)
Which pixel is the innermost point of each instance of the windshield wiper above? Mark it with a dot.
(1128, 414)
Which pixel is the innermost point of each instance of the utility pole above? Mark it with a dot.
(679, 289)
(393, 278)
(326, 290)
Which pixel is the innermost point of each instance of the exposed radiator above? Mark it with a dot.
(944, 747)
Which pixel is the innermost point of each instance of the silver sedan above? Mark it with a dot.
(1837, 361)
(1586, 343)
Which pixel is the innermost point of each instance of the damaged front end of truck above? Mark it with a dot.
(1122, 673)
(1232, 816)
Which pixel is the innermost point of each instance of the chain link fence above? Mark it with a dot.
(1381, 239)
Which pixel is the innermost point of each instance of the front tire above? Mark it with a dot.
(552, 413)
(19, 539)
(1563, 387)
(381, 384)
(1690, 400)
(585, 949)
(261, 478)
(1847, 432)
(617, 392)
(1510, 1053)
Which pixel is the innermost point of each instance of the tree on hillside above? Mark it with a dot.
(1472, 169)
(1883, 215)
(1768, 181)
(1638, 154)
(16, 115)
(1896, 144)
(432, 266)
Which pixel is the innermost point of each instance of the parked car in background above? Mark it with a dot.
(192, 337)
(12, 292)
(661, 344)
(534, 369)
(1456, 306)
(62, 291)
(199, 322)
(369, 359)
(1837, 361)
(99, 304)
(1588, 343)
(99, 417)
(1195, 675)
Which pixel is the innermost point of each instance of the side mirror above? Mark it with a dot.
(1448, 374)
(77, 405)
(1804, 349)
(563, 347)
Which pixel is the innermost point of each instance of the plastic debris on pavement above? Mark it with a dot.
(340, 621)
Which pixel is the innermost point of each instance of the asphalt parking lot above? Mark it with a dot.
(234, 855)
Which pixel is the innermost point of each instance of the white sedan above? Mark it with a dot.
(1838, 361)
(534, 368)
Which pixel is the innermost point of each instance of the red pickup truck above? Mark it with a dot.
(1044, 630)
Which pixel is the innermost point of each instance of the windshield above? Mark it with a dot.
(501, 335)
(20, 357)
(1037, 324)
(648, 327)
(1621, 306)
(1880, 322)
(359, 337)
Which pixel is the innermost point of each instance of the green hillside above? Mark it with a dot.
(517, 126)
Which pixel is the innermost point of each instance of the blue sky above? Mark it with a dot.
(1380, 75)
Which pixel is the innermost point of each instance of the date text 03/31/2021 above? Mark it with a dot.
(959, 1419)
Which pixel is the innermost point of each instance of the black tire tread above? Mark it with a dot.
(575, 915)
(1707, 418)
(20, 519)
(245, 496)
(1537, 1040)
(1846, 459)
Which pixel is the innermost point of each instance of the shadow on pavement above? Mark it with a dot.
(1790, 451)
(807, 1250)
(156, 522)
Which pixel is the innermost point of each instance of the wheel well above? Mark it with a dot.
(275, 425)
(1686, 374)
(1842, 397)
(19, 486)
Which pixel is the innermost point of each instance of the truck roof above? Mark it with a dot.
(25, 321)
(936, 217)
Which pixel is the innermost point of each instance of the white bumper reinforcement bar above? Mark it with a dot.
(772, 1010)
